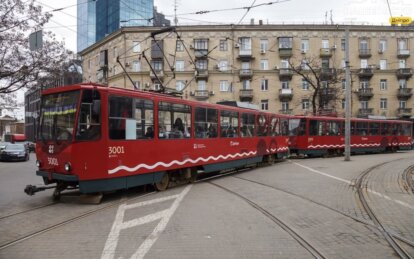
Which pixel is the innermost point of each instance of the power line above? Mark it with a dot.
(248, 9)
(389, 8)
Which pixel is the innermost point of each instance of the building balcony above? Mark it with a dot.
(201, 94)
(404, 112)
(285, 52)
(246, 95)
(158, 73)
(364, 53)
(285, 94)
(327, 73)
(404, 93)
(325, 53)
(246, 73)
(364, 112)
(286, 111)
(157, 49)
(327, 112)
(201, 74)
(403, 53)
(365, 73)
(285, 73)
(200, 53)
(245, 54)
(365, 93)
(404, 73)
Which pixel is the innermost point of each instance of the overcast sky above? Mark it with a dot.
(63, 24)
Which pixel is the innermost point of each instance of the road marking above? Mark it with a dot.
(349, 182)
(119, 224)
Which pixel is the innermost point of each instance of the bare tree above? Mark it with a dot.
(323, 79)
(20, 67)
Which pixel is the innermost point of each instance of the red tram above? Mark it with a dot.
(318, 136)
(100, 139)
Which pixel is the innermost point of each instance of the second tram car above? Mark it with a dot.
(100, 139)
(318, 136)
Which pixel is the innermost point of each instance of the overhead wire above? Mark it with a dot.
(248, 10)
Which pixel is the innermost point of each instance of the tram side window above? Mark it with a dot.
(89, 121)
(297, 127)
(316, 128)
(374, 128)
(274, 127)
(361, 128)
(205, 122)
(229, 124)
(332, 128)
(144, 117)
(174, 120)
(262, 125)
(284, 126)
(406, 128)
(121, 122)
(385, 128)
(247, 125)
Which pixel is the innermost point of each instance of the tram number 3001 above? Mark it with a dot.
(116, 150)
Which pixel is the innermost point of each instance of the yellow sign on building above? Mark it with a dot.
(400, 20)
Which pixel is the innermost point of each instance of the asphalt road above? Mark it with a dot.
(299, 208)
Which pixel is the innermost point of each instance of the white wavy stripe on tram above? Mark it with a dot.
(150, 167)
(359, 145)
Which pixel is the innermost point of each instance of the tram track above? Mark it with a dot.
(67, 221)
(305, 244)
(408, 177)
(361, 190)
(28, 210)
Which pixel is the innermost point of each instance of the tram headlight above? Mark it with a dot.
(38, 163)
(67, 167)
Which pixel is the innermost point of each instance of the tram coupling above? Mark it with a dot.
(32, 189)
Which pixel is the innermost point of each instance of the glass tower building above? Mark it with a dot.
(96, 19)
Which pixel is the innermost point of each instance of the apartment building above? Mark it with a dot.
(252, 63)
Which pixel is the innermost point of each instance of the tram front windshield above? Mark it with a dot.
(58, 113)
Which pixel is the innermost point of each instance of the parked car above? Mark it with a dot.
(14, 152)
(3, 145)
(30, 145)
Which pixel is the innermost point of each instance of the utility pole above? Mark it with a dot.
(347, 99)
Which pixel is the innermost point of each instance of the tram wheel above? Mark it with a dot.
(163, 184)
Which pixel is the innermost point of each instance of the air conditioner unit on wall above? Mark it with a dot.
(236, 45)
(262, 51)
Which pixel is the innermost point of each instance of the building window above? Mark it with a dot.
(324, 84)
(383, 85)
(136, 47)
(264, 65)
(136, 66)
(284, 63)
(264, 85)
(201, 44)
(201, 85)
(363, 44)
(201, 64)
(304, 45)
(285, 42)
(285, 106)
(325, 44)
(245, 65)
(223, 65)
(246, 84)
(223, 45)
(224, 86)
(179, 65)
(245, 43)
(382, 46)
(402, 44)
(343, 82)
(264, 105)
(305, 64)
(115, 52)
(401, 63)
(137, 85)
(325, 63)
(264, 45)
(179, 46)
(157, 65)
(364, 63)
(364, 104)
(364, 84)
(305, 85)
(343, 103)
(285, 84)
(179, 85)
(383, 64)
(343, 42)
(403, 104)
(402, 83)
(305, 104)
(383, 103)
